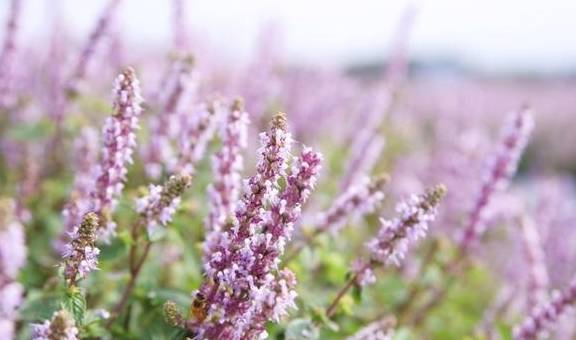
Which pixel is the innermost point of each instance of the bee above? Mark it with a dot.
(198, 307)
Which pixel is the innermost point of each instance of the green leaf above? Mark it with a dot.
(75, 303)
(299, 329)
(40, 306)
(357, 293)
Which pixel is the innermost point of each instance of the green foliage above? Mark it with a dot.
(40, 305)
(75, 303)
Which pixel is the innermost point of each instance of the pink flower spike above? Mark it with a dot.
(119, 140)
(515, 137)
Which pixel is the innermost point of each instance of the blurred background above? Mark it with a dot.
(448, 36)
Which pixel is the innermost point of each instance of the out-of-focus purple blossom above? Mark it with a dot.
(360, 199)
(161, 203)
(119, 140)
(542, 318)
(174, 99)
(391, 243)
(555, 216)
(61, 327)
(537, 272)
(11, 294)
(515, 138)
(8, 55)
(12, 258)
(93, 43)
(227, 165)
(81, 254)
(365, 274)
(196, 131)
(84, 163)
(378, 330)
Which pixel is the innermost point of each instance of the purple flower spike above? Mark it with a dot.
(543, 317)
(269, 246)
(534, 253)
(119, 141)
(243, 290)
(195, 133)
(61, 327)
(161, 203)
(8, 55)
(358, 200)
(12, 258)
(377, 330)
(227, 165)
(174, 100)
(81, 254)
(95, 39)
(391, 243)
(515, 138)
(85, 160)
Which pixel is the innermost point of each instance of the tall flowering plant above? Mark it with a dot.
(241, 292)
(119, 139)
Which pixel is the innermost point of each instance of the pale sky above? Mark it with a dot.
(490, 34)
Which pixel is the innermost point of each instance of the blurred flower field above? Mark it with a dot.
(172, 195)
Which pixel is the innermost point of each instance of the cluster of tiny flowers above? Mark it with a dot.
(270, 302)
(61, 327)
(175, 96)
(7, 58)
(81, 254)
(96, 37)
(172, 315)
(86, 156)
(537, 272)
(285, 209)
(543, 317)
(268, 246)
(161, 203)
(195, 132)
(236, 281)
(360, 199)
(515, 138)
(391, 243)
(227, 164)
(12, 258)
(119, 141)
(379, 330)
